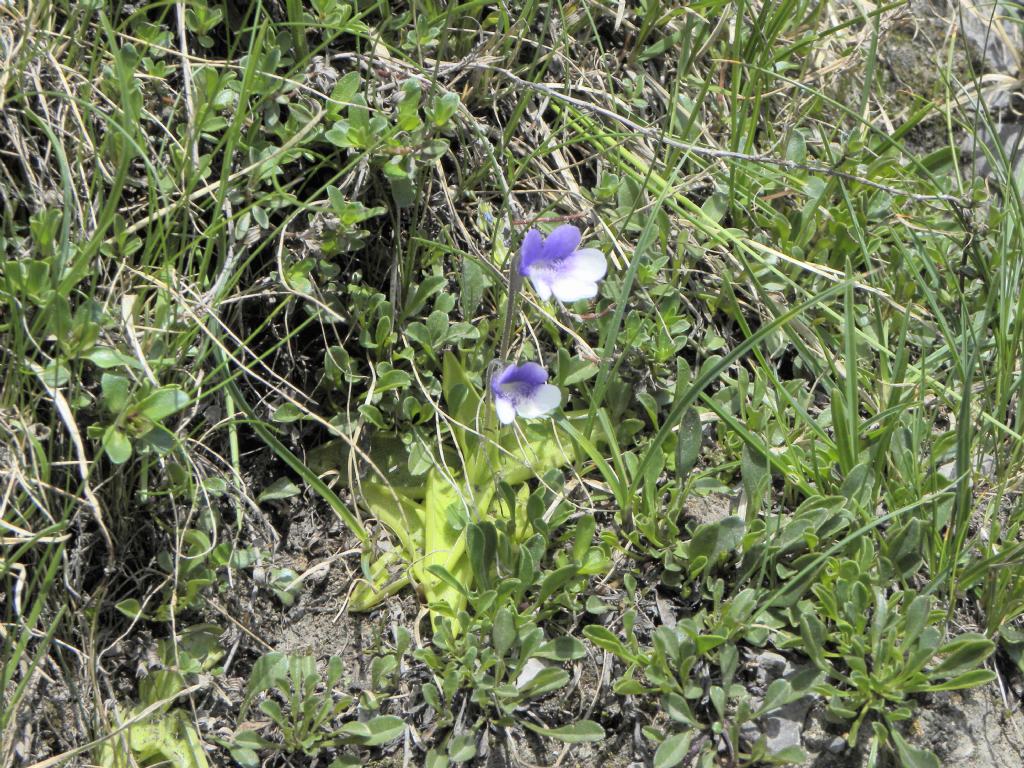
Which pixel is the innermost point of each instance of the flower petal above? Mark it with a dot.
(561, 242)
(541, 284)
(576, 276)
(585, 264)
(505, 410)
(500, 377)
(569, 289)
(529, 374)
(531, 250)
(545, 399)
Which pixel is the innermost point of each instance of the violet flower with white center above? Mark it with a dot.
(557, 265)
(522, 390)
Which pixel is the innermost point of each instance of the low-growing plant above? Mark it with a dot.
(878, 647)
(307, 712)
(692, 669)
(495, 654)
(156, 731)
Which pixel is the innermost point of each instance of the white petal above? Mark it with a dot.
(505, 410)
(544, 400)
(569, 289)
(541, 286)
(576, 278)
(587, 264)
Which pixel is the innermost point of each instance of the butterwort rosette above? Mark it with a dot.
(522, 390)
(556, 265)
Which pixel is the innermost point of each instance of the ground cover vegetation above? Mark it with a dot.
(272, 365)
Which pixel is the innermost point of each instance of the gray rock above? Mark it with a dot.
(781, 733)
(750, 733)
(1011, 136)
(770, 666)
(531, 669)
(992, 32)
(783, 726)
(837, 745)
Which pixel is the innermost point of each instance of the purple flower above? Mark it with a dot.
(556, 265)
(522, 390)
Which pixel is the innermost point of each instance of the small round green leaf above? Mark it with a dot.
(117, 445)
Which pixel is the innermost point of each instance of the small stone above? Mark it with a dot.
(993, 33)
(962, 752)
(784, 725)
(770, 666)
(531, 669)
(781, 733)
(836, 745)
(749, 733)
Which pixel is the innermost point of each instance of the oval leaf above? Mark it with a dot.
(162, 403)
(673, 750)
(584, 730)
(117, 445)
(282, 488)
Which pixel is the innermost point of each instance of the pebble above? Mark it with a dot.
(785, 724)
(770, 666)
(837, 745)
(530, 670)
